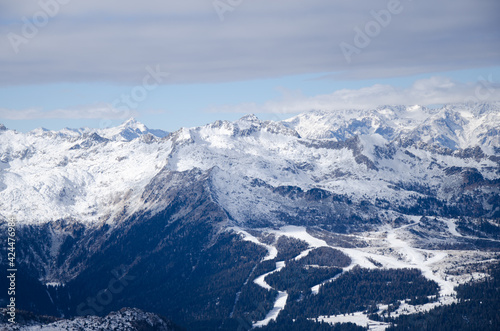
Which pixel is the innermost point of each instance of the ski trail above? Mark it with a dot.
(261, 279)
(410, 258)
(279, 305)
(315, 288)
(452, 227)
(280, 302)
(416, 260)
(272, 252)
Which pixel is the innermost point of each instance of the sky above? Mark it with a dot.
(184, 63)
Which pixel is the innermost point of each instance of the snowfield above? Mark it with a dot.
(358, 318)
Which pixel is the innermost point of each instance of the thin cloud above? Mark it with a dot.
(113, 41)
(435, 90)
(87, 112)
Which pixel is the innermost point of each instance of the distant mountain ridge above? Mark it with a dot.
(127, 131)
(63, 171)
(451, 126)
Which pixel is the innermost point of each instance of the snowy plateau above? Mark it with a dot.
(213, 226)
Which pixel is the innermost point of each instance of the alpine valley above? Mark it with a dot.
(385, 218)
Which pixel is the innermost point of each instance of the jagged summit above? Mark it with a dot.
(249, 118)
(135, 125)
(39, 131)
(127, 131)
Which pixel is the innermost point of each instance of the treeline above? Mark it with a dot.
(301, 323)
(296, 276)
(361, 289)
(478, 309)
(289, 248)
(300, 275)
(253, 303)
(326, 256)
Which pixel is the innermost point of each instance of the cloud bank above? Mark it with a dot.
(101, 111)
(435, 90)
(50, 41)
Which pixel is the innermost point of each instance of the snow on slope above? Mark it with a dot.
(248, 150)
(127, 319)
(54, 175)
(358, 318)
(394, 251)
(91, 175)
(452, 126)
(279, 305)
(272, 252)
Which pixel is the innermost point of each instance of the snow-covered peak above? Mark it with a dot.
(248, 125)
(129, 130)
(2, 127)
(133, 123)
(247, 121)
(39, 131)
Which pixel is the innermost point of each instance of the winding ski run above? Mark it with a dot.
(403, 255)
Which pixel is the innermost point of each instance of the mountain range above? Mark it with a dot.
(252, 223)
